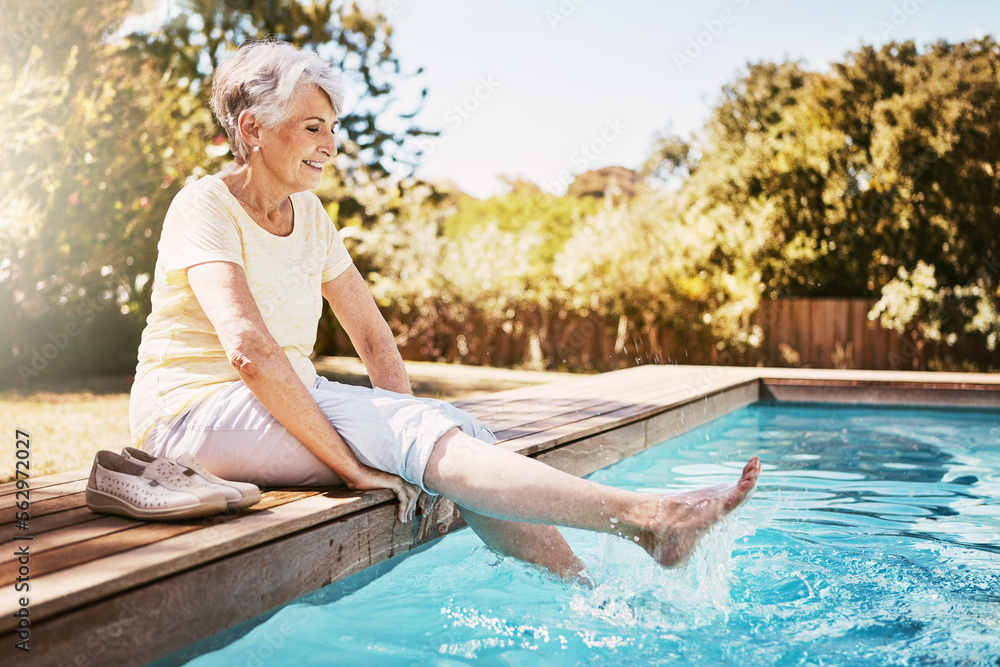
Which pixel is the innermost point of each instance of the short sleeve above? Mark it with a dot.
(337, 258)
(198, 228)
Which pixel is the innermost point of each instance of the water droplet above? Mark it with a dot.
(614, 521)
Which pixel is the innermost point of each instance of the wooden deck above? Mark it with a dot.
(107, 589)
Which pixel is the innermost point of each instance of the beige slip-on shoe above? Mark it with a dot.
(239, 495)
(157, 491)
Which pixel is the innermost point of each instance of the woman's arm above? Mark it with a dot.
(355, 309)
(222, 290)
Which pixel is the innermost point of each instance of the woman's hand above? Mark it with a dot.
(369, 478)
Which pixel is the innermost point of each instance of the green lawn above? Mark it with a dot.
(67, 426)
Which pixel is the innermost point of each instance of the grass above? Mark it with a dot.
(67, 424)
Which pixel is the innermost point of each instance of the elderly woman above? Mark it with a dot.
(224, 372)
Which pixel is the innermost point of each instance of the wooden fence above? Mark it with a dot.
(807, 333)
(836, 333)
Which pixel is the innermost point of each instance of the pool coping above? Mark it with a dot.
(117, 608)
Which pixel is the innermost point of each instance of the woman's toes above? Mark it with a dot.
(679, 522)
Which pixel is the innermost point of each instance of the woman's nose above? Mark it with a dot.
(331, 145)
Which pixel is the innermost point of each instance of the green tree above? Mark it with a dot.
(550, 218)
(855, 178)
(106, 125)
(356, 42)
(651, 266)
(75, 166)
(937, 149)
(437, 279)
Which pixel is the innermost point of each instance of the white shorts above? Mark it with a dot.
(236, 438)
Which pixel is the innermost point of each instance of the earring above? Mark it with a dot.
(256, 149)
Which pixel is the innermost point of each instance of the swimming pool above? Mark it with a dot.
(873, 538)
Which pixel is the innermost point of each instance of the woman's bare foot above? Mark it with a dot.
(676, 523)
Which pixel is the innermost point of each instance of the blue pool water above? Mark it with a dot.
(873, 539)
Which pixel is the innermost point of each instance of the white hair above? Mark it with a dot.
(261, 77)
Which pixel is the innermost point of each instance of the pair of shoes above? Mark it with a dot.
(138, 485)
(157, 491)
(239, 495)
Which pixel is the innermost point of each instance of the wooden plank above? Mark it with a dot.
(800, 314)
(78, 543)
(522, 411)
(791, 336)
(533, 443)
(586, 456)
(40, 496)
(775, 329)
(827, 308)
(816, 356)
(817, 353)
(583, 457)
(880, 346)
(765, 318)
(839, 315)
(53, 505)
(557, 403)
(819, 332)
(627, 400)
(581, 408)
(8, 488)
(861, 350)
(836, 319)
(106, 535)
(49, 522)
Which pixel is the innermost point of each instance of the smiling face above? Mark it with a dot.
(294, 152)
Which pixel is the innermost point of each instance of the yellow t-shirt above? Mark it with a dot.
(181, 359)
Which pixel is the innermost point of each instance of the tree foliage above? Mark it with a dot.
(873, 179)
(859, 178)
(877, 177)
(105, 123)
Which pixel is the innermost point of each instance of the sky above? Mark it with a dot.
(546, 89)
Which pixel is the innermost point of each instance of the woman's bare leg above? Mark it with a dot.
(497, 483)
(532, 542)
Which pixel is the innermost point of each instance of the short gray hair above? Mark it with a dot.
(261, 77)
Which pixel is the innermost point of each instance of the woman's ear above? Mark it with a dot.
(249, 128)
